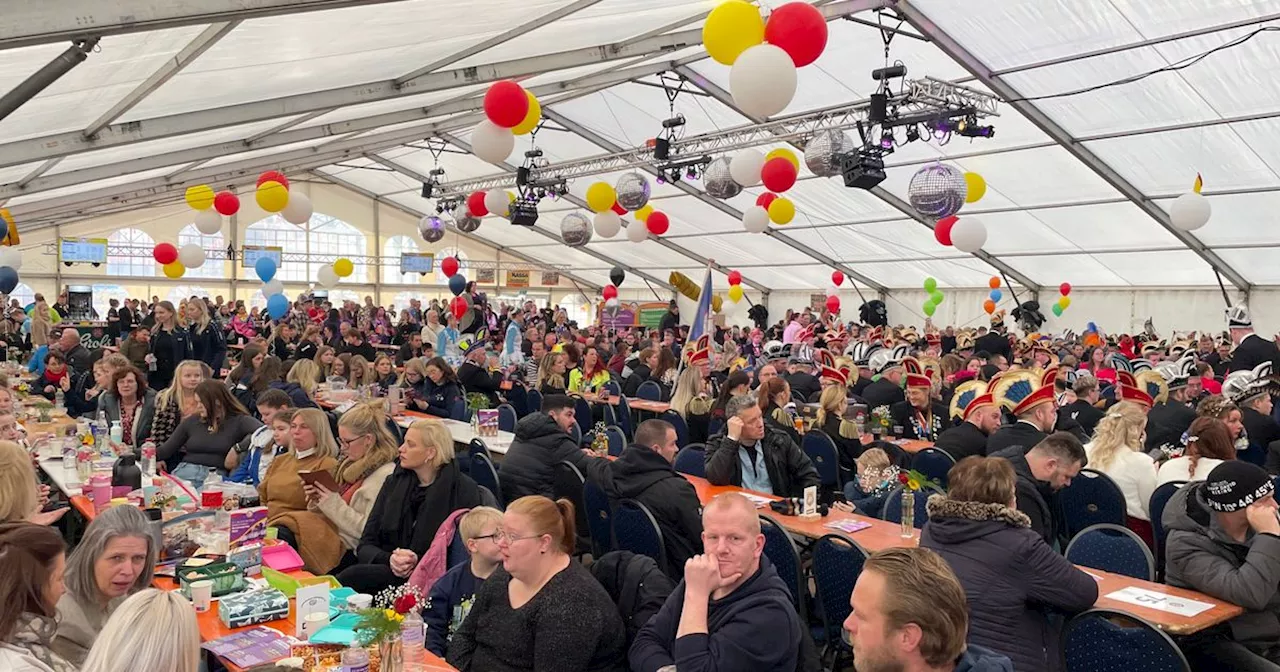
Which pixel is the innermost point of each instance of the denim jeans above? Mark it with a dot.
(195, 474)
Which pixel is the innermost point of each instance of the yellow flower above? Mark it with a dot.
(391, 614)
(913, 484)
(397, 617)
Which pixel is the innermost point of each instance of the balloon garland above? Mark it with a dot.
(763, 55)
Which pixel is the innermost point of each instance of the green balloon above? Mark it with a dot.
(1057, 310)
(929, 308)
(930, 284)
(936, 297)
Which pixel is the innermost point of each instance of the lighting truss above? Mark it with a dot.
(921, 99)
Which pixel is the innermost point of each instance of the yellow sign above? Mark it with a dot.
(517, 278)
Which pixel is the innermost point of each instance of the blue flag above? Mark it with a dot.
(702, 316)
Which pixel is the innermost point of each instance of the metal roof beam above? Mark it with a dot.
(978, 69)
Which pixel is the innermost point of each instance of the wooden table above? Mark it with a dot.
(635, 403)
(912, 446)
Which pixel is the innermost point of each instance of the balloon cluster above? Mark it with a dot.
(764, 55)
(329, 275)
(1063, 301)
(969, 234)
(272, 195)
(935, 296)
(610, 292)
(1191, 210)
(994, 297)
(735, 286)
(778, 171)
(510, 110)
(272, 287)
(630, 194)
(10, 256)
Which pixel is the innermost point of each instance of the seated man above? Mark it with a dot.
(749, 457)
(909, 614)
(643, 472)
(474, 374)
(1083, 409)
(919, 416)
(731, 612)
(1031, 400)
(1224, 541)
(542, 440)
(1042, 472)
(452, 595)
(979, 415)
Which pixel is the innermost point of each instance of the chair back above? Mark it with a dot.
(1112, 548)
(532, 402)
(458, 410)
(506, 418)
(649, 391)
(636, 530)
(599, 518)
(1101, 640)
(893, 505)
(682, 428)
(617, 440)
(623, 415)
(934, 464)
(1159, 499)
(715, 426)
(837, 562)
(478, 446)
(575, 430)
(610, 415)
(784, 555)
(567, 482)
(518, 398)
(822, 452)
(692, 460)
(582, 415)
(484, 473)
(613, 388)
(1091, 499)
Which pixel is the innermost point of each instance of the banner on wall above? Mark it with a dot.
(632, 314)
(550, 279)
(817, 302)
(487, 276)
(517, 278)
(250, 254)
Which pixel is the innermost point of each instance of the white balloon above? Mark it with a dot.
(492, 143)
(607, 224)
(968, 234)
(272, 287)
(763, 80)
(298, 210)
(1190, 211)
(327, 277)
(755, 219)
(497, 202)
(191, 255)
(12, 257)
(637, 231)
(745, 167)
(209, 222)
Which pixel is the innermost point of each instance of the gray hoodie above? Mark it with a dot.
(1201, 556)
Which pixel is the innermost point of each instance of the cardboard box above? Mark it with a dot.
(248, 525)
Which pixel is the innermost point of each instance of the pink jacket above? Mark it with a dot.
(434, 562)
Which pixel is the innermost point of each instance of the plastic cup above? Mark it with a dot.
(202, 595)
(358, 602)
(314, 622)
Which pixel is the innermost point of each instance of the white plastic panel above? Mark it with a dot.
(1234, 80)
(630, 114)
(1258, 265)
(1030, 177)
(1078, 269)
(690, 216)
(845, 243)
(371, 176)
(647, 254)
(33, 200)
(147, 149)
(1244, 219)
(1177, 268)
(746, 248)
(1167, 163)
(948, 273)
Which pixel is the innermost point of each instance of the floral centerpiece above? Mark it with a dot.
(912, 483)
(23, 390)
(380, 624)
(477, 401)
(44, 410)
(880, 420)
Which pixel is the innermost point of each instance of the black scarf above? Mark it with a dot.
(421, 510)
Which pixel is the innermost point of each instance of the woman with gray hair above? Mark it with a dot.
(153, 631)
(115, 559)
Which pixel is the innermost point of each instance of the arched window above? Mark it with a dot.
(23, 294)
(396, 246)
(445, 253)
(131, 256)
(102, 295)
(213, 268)
(331, 238)
(275, 232)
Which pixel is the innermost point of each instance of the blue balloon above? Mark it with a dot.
(277, 305)
(457, 284)
(266, 268)
(995, 295)
(8, 279)
(1092, 327)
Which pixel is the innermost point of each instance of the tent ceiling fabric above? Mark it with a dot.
(1080, 186)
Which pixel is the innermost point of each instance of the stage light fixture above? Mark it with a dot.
(863, 169)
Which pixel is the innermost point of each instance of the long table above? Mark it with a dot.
(461, 431)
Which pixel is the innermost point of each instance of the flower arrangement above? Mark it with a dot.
(44, 410)
(382, 621)
(23, 390)
(914, 480)
(477, 401)
(880, 419)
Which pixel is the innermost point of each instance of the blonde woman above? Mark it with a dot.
(324, 359)
(41, 322)
(832, 404)
(20, 498)
(309, 345)
(1116, 450)
(551, 373)
(690, 400)
(305, 373)
(359, 372)
(178, 401)
(311, 449)
(151, 631)
(369, 453)
(207, 342)
(414, 378)
(384, 373)
(170, 345)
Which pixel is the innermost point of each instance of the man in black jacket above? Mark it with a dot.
(1043, 471)
(644, 473)
(357, 345)
(887, 390)
(980, 415)
(542, 441)
(801, 379)
(1031, 400)
(918, 416)
(474, 375)
(1083, 410)
(1251, 349)
(412, 349)
(777, 465)
(995, 342)
(78, 357)
(1168, 420)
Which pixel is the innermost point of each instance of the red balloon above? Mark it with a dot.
(989, 306)
(658, 223)
(1065, 288)
(618, 209)
(735, 277)
(475, 203)
(271, 176)
(226, 203)
(609, 292)
(506, 104)
(833, 304)
(449, 266)
(994, 282)
(766, 199)
(799, 29)
(165, 253)
(458, 306)
(837, 277)
(778, 175)
(942, 230)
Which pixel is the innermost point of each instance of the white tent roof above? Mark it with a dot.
(217, 91)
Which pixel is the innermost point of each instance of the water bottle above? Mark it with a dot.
(59, 401)
(355, 659)
(117, 432)
(412, 642)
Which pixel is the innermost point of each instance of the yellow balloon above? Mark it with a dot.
(531, 119)
(1064, 302)
(782, 211)
(784, 153)
(200, 197)
(343, 267)
(977, 187)
(716, 303)
(735, 293)
(601, 197)
(272, 196)
(643, 213)
(175, 270)
(732, 28)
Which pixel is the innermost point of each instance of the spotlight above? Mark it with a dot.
(692, 173)
(662, 178)
(886, 140)
(439, 209)
(913, 133)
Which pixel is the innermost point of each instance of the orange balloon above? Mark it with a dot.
(989, 306)
(994, 282)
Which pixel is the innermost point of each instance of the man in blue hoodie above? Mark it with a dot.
(731, 612)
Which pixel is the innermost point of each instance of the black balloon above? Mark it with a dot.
(8, 279)
(457, 284)
(616, 276)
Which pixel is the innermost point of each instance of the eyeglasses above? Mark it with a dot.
(346, 442)
(502, 535)
(494, 536)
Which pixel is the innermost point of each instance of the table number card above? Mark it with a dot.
(809, 509)
(1152, 600)
(310, 599)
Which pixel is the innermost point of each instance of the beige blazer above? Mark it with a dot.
(350, 518)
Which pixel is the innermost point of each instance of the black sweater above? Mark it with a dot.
(539, 445)
(407, 514)
(197, 445)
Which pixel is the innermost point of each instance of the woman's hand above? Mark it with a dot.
(65, 383)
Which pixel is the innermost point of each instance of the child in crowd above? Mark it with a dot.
(452, 596)
(55, 372)
(249, 460)
(359, 373)
(876, 478)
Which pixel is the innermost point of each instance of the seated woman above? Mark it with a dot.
(832, 404)
(1117, 451)
(425, 488)
(359, 372)
(32, 559)
(341, 365)
(738, 383)
(773, 395)
(115, 559)
(250, 359)
(153, 630)
(1014, 581)
(874, 478)
(551, 374)
(178, 401)
(300, 384)
(592, 375)
(690, 400)
(1208, 445)
(664, 374)
(384, 373)
(324, 357)
(369, 452)
(56, 376)
(201, 442)
(21, 495)
(543, 610)
(311, 448)
(131, 403)
(440, 392)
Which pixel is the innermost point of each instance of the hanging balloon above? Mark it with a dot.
(265, 267)
(475, 204)
(1065, 302)
(745, 167)
(658, 223)
(601, 196)
(492, 143)
(735, 278)
(575, 230)
(716, 303)
(618, 209)
(277, 306)
(735, 293)
(822, 154)
(732, 28)
(969, 235)
(1190, 211)
(497, 202)
(936, 297)
(226, 203)
(174, 270)
(272, 196)
(299, 209)
(343, 267)
(766, 199)
(327, 277)
(607, 224)
(942, 230)
(8, 279)
(191, 255)
(989, 306)
(273, 176)
(457, 284)
(778, 174)
(449, 267)
(609, 292)
(200, 197)
(937, 190)
(467, 223)
(458, 306)
(763, 81)
(837, 278)
(930, 284)
(506, 104)
(272, 288)
(1057, 310)
(632, 190)
(1064, 289)
(782, 211)
(611, 307)
(783, 153)
(718, 179)
(165, 253)
(833, 304)
(643, 213)
(755, 219)
(617, 275)
(531, 118)
(431, 228)
(996, 295)
(208, 222)
(929, 308)
(975, 187)
(799, 29)
(638, 231)
(994, 282)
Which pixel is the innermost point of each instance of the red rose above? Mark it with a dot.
(903, 478)
(404, 603)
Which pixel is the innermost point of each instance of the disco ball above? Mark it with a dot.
(575, 230)
(467, 223)
(937, 191)
(633, 191)
(431, 228)
(719, 180)
(822, 153)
